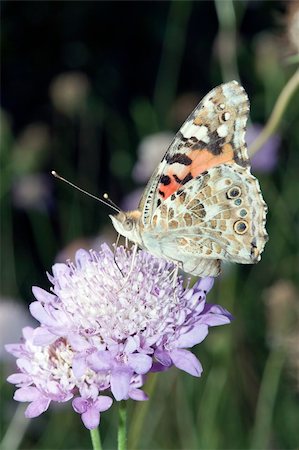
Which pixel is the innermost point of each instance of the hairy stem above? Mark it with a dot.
(95, 439)
(122, 426)
(277, 113)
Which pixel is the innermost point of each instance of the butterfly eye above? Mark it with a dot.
(128, 224)
(240, 226)
(233, 192)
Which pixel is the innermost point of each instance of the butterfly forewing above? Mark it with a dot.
(212, 135)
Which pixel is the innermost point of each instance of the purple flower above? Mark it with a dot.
(90, 409)
(266, 159)
(101, 332)
(150, 152)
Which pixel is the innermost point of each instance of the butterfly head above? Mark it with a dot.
(127, 224)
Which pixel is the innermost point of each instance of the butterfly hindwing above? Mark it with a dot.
(216, 215)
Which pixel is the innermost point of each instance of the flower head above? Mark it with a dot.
(104, 326)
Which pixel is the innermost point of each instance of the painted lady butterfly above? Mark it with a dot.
(202, 204)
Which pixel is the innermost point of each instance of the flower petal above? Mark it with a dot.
(24, 365)
(79, 366)
(37, 407)
(28, 333)
(91, 418)
(27, 394)
(59, 270)
(39, 313)
(185, 360)
(138, 395)
(42, 296)
(163, 357)
(80, 405)
(42, 336)
(120, 383)
(140, 363)
(78, 342)
(100, 361)
(204, 284)
(15, 349)
(215, 315)
(158, 367)
(192, 337)
(82, 258)
(19, 378)
(103, 402)
(131, 345)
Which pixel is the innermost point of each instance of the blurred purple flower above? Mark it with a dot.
(150, 152)
(101, 333)
(131, 201)
(13, 317)
(33, 191)
(266, 159)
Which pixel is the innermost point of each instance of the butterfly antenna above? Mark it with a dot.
(106, 197)
(107, 203)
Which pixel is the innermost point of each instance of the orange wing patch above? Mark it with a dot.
(201, 160)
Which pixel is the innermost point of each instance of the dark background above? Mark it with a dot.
(136, 69)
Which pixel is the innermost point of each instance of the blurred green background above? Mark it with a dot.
(89, 89)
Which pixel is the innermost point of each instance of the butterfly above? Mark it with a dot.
(202, 205)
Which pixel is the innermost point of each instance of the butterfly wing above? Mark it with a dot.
(220, 214)
(213, 134)
(202, 203)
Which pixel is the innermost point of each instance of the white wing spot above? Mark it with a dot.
(200, 132)
(222, 131)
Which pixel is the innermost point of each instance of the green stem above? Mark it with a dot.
(227, 39)
(95, 439)
(277, 113)
(140, 412)
(261, 433)
(122, 426)
(171, 59)
(16, 430)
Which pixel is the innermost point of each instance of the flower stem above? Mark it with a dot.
(122, 426)
(277, 113)
(261, 433)
(95, 439)
(173, 47)
(140, 412)
(227, 39)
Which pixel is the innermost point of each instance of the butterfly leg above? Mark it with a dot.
(175, 274)
(127, 277)
(114, 255)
